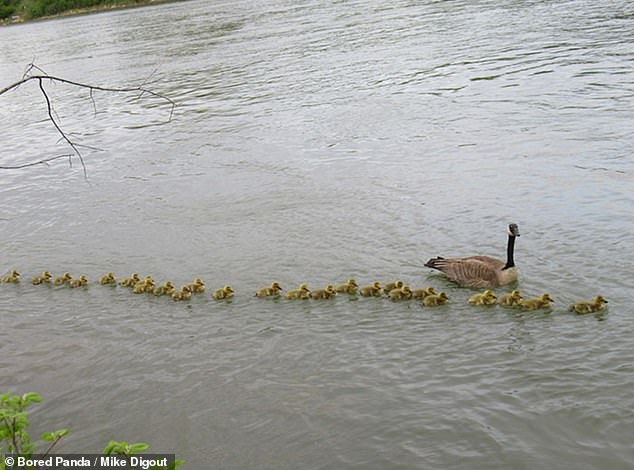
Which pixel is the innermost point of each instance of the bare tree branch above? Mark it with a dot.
(41, 77)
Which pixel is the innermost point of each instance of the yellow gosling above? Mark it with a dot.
(349, 287)
(511, 300)
(487, 297)
(183, 294)
(225, 293)
(390, 286)
(166, 289)
(373, 290)
(303, 292)
(198, 286)
(435, 299)
(63, 279)
(12, 277)
(130, 281)
(44, 278)
(107, 279)
(420, 294)
(79, 282)
(271, 291)
(542, 301)
(404, 293)
(143, 286)
(592, 306)
(327, 293)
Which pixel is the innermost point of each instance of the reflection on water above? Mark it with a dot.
(314, 142)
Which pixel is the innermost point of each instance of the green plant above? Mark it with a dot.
(14, 435)
(127, 450)
(15, 439)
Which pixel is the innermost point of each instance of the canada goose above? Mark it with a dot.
(81, 281)
(349, 287)
(63, 279)
(107, 279)
(225, 293)
(420, 294)
(130, 281)
(435, 299)
(390, 286)
(13, 276)
(327, 293)
(44, 278)
(589, 306)
(480, 271)
(511, 300)
(303, 292)
(373, 290)
(166, 289)
(198, 286)
(487, 297)
(543, 301)
(183, 294)
(273, 290)
(403, 293)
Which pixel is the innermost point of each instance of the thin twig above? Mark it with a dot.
(39, 162)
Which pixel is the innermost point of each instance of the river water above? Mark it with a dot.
(314, 141)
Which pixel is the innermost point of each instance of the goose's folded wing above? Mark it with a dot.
(471, 272)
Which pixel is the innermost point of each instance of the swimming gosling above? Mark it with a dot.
(183, 294)
(303, 292)
(224, 293)
(326, 293)
(198, 286)
(535, 303)
(404, 293)
(107, 279)
(373, 290)
(390, 286)
(63, 279)
(349, 287)
(487, 297)
(435, 299)
(271, 291)
(12, 277)
(420, 294)
(592, 306)
(44, 278)
(130, 281)
(511, 300)
(79, 282)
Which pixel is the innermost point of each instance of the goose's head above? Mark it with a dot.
(228, 289)
(376, 284)
(406, 290)
(330, 289)
(276, 286)
(352, 283)
(304, 288)
(513, 230)
(443, 296)
(546, 298)
(516, 295)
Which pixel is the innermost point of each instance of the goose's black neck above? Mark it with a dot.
(510, 247)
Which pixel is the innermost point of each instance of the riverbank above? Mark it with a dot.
(22, 15)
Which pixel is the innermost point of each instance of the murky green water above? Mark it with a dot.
(313, 142)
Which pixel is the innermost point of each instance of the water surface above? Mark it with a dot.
(313, 142)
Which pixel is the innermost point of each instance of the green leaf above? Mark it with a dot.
(110, 447)
(31, 397)
(47, 436)
(138, 447)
